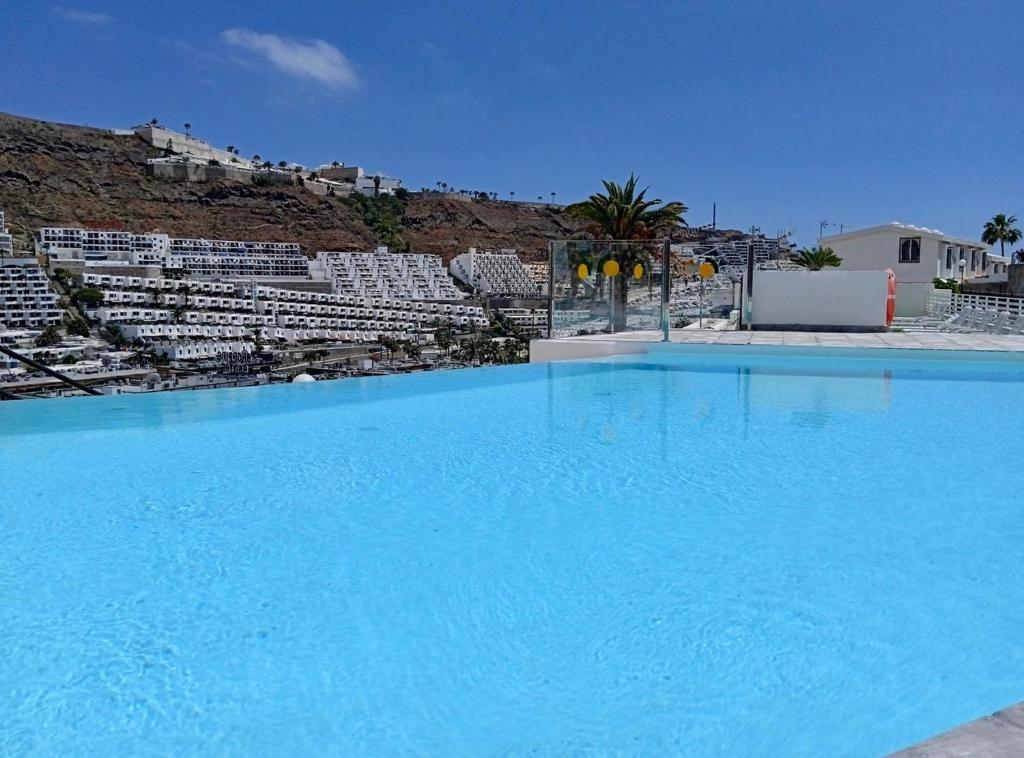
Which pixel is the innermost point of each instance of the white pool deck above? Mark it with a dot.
(599, 345)
(1000, 735)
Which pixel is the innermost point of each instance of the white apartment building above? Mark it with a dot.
(359, 181)
(401, 276)
(6, 240)
(529, 319)
(500, 273)
(197, 257)
(26, 297)
(917, 255)
(76, 243)
(224, 258)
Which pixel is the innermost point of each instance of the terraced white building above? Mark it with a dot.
(152, 310)
(26, 297)
(500, 273)
(401, 276)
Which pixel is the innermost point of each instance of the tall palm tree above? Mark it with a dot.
(622, 213)
(1001, 229)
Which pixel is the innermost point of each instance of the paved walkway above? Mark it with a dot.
(898, 340)
(1000, 735)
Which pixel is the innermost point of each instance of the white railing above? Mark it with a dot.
(945, 302)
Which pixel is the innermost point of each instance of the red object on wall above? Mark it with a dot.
(890, 299)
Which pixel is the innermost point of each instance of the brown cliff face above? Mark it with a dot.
(58, 174)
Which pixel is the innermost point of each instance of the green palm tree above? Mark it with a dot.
(816, 258)
(1001, 229)
(622, 213)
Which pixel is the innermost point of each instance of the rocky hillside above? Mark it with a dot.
(57, 174)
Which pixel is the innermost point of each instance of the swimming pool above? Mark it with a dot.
(705, 552)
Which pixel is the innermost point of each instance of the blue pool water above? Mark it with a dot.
(670, 554)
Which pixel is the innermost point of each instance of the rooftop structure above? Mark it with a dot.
(500, 273)
(184, 144)
(359, 180)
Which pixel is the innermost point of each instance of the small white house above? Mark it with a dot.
(917, 255)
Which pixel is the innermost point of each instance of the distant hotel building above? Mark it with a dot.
(197, 257)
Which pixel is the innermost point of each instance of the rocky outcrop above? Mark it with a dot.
(57, 174)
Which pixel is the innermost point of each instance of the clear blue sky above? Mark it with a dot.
(783, 112)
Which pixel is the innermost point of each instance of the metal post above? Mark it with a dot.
(551, 289)
(750, 284)
(611, 304)
(666, 284)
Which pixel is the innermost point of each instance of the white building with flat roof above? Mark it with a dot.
(197, 257)
(109, 245)
(917, 255)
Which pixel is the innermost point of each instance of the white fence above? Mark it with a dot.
(947, 303)
(976, 313)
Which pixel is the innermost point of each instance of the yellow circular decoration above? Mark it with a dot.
(582, 271)
(611, 268)
(706, 271)
(638, 271)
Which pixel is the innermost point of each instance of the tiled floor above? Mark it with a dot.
(1000, 735)
(899, 340)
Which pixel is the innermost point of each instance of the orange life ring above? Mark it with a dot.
(890, 299)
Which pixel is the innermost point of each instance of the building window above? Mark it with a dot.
(974, 260)
(910, 249)
(949, 258)
(984, 260)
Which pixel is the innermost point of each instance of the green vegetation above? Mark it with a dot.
(383, 214)
(49, 337)
(486, 349)
(1001, 229)
(816, 258)
(113, 335)
(623, 213)
(64, 278)
(88, 297)
(78, 326)
(946, 284)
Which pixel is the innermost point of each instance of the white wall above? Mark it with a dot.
(830, 298)
(881, 250)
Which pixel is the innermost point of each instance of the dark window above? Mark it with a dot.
(910, 249)
(984, 260)
(949, 258)
(974, 260)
